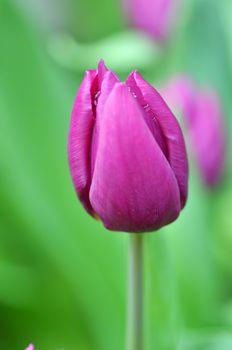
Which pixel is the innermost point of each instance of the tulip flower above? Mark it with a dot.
(126, 153)
(154, 17)
(203, 117)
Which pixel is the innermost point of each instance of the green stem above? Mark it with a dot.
(135, 293)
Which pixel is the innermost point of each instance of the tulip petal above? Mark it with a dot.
(79, 140)
(149, 115)
(133, 186)
(171, 130)
(154, 17)
(101, 69)
(110, 79)
(207, 137)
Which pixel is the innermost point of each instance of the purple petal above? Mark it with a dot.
(207, 137)
(205, 127)
(172, 133)
(149, 115)
(79, 140)
(110, 79)
(154, 17)
(133, 187)
(101, 69)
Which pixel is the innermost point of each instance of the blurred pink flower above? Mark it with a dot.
(154, 17)
(30, 347)
(126, 153)
(204, 121)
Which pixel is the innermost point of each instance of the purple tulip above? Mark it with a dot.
(205, 125)
(154, 17)
(126, 153)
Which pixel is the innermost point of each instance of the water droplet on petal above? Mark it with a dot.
(147, 107)
(97, 94)
(96, 97)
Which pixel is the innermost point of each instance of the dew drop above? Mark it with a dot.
(147, 107)
(95, 99)
(172, 138)
(97, 95)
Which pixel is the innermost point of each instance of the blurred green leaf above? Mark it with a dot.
(212, 340)
(191, 241)
(161, 309)
(122, 52)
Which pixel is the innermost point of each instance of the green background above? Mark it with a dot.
(63, 277)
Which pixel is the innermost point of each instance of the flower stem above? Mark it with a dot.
(135, 293)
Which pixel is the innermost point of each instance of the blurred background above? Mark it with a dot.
(62, 275)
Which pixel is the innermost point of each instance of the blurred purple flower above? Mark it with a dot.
(203, 117)
(126, 153)
(154, 17)
(30, 347)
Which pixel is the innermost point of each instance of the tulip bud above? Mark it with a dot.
(126, 153)
(154, 17)
(203, 117)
